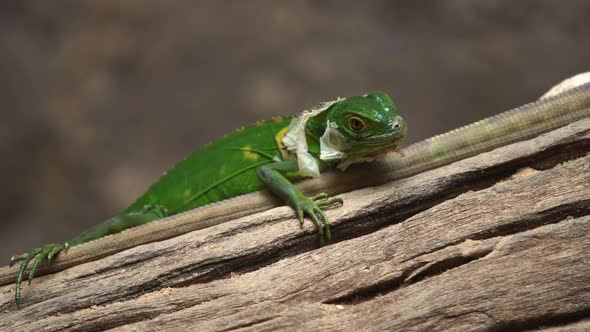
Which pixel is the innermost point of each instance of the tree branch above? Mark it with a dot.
(497, 241)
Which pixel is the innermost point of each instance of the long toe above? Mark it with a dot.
(21, 272)
(38, 260)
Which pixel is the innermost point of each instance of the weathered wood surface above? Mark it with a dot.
(499, 241)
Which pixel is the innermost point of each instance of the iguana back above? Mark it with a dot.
(219, 170)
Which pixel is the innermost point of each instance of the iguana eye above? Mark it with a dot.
(356, 124)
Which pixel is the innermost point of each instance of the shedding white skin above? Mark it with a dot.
(296, 142)
(331, 143)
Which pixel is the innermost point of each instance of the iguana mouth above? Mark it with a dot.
(369, 157)
(389, 149)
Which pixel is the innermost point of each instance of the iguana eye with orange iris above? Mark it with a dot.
(356, 124)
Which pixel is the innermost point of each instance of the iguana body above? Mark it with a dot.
(267, 154)
(219, 170)
(512, 126)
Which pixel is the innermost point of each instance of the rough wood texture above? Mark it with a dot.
(499, 241)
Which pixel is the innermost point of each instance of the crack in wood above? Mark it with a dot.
(366, 294)
(442, 266)
(124, 264)
(419, 271)
(250, 324)
(525, 223)
(531, 221)
(544, 321)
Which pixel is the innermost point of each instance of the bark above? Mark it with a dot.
(499, 241)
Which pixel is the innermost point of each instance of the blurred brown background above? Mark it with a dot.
(100, 97)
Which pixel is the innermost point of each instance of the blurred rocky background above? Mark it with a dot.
(100, 97)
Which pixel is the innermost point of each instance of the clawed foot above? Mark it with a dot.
(47, 251)
(311, 206)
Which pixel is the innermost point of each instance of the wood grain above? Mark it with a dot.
(499, 241)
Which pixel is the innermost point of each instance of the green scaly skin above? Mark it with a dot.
(249, 160)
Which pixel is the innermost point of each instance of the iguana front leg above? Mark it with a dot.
(274, 177)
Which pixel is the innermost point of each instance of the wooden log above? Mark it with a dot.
(497, 241)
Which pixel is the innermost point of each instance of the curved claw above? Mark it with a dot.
(38, 261)
(311, 206)
(318, 225)
(300, 216)
(326, 223)
(47, 251)
(16, 258)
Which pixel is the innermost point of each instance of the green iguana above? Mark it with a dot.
(334, 135)
(267, 154)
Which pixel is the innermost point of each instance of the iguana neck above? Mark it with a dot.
(314, 129)
(316, 125)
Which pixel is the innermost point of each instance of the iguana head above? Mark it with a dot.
(359, 129)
